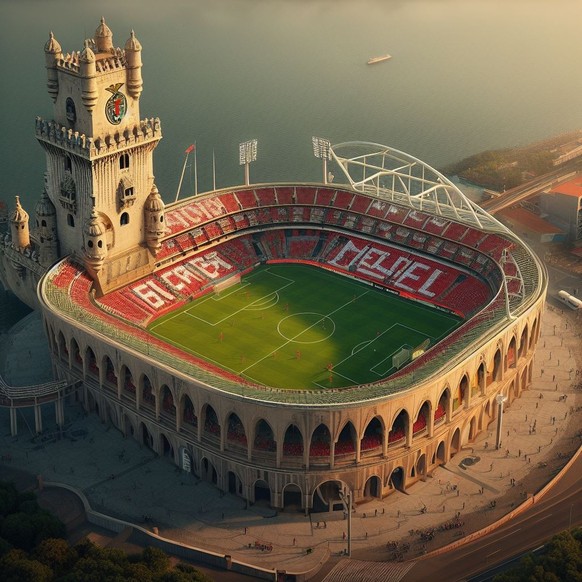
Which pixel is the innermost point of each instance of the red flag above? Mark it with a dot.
(190, 149)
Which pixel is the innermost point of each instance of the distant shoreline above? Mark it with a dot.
(506, 168)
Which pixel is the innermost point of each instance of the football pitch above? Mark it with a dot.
(294, 326)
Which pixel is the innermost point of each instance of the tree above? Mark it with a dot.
(16, 566)
(56, 554)
(156, 560)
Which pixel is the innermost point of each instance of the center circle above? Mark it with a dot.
(306, 327)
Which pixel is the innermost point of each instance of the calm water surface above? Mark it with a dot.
(466, 75)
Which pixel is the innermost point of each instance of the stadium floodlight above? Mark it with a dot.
(247, 154)
(500, 400)
(322, 150)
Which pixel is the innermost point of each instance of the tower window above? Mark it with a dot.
(70, 220)
(68, 164)
(90, 244)
(124, 219)
(70, 110)
(124, 162)
(43, 222)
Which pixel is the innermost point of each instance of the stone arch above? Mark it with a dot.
(211, 426)
(347, 439)
(534, 333)
(462, 393)
(373, 487)
(167, 401)
(128, 426)
(326, 496)
(235, 431)
(472, 428)
(293, 441)
(234, 482)
(497, 371)
(422, 419)
(189, 417)
(523, 342)
(146, 437)
(292, 496)
(481, 378)
(397, 479)
(262, 492)
(62, 346)
(76, 353)
(421, 465)
(264, 437)
(442, 410)
(147, 392)
(320, 445)
(91, 360)
(373, 435)
(208, 471)
(455, 442)
(128, 381)
(110, 374)
(166, 448)
(510, 358)
(441, 453)
(398, 434)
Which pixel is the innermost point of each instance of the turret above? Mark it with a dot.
(52, 53)
(155, 226)
(46, 225)
(88, 73)
(94, 244)
(133, 60)
(103, 38)
(19, 227)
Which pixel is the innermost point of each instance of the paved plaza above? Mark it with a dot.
(481, 484)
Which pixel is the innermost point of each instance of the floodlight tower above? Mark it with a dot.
(322, 150)
(247, 154)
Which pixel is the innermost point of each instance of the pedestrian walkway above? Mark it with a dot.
(477, 487)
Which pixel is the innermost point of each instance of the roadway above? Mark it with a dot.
(531, 188)
(558, 510)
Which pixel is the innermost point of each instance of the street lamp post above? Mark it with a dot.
(247, 154)
(322, 150)
(500, 400)
(346, 497)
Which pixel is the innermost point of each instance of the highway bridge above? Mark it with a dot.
(533, 187)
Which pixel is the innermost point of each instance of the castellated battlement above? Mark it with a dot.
(90, 147)
(104, 64)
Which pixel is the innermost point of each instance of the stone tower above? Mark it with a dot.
(45, 233)
(19, 227)
(99, 155)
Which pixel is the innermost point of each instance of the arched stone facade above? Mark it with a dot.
(372, 448)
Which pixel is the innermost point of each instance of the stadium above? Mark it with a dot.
(287, 341)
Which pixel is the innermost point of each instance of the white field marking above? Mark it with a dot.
(264, 302)
(302, 331)
(368, 343)
(236, 312)
(321, 319)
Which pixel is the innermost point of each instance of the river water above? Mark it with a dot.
(466, 75)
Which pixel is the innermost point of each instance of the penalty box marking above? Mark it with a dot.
(262, 302)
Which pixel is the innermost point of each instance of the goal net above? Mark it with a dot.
(219, 287)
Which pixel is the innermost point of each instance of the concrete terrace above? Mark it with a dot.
(122, 479)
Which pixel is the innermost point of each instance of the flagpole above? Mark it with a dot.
(213, 171)
(188, 150)
(182, 176)
(195, 172)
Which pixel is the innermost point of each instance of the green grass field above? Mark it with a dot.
(283, 325)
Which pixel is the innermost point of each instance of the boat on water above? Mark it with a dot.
(374, 60)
